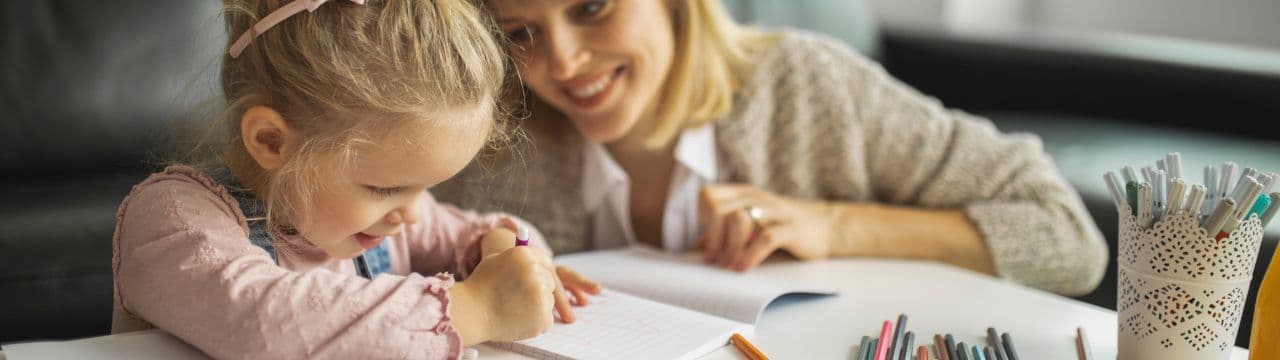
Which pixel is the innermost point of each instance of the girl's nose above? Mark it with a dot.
(405, 215)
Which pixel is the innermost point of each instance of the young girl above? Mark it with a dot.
(341, 115)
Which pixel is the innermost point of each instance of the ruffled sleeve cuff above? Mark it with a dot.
(438, 287)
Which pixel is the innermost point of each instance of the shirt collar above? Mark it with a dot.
(600, 174)
(695, 150)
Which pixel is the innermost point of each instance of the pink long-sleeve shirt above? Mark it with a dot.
(182, 261)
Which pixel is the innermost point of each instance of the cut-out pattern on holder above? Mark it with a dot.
(1138, 325)
(1172, 306)
(1127, 293)
(1200, 336)
(1226, 308)
(1177, 246)
(1180, 291)
(1129, 230)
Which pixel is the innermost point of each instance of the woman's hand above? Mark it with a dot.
(732, 239)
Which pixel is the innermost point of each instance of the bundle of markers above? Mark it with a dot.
(1219, 205)
(896, 343)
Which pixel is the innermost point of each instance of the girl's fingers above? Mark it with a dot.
(562, 304)
(509, 223)
(580, 297)
(572, 277)
(583, 284)
(577, 284)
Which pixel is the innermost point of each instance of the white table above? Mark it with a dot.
(937, 299)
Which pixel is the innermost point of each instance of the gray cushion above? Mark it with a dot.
(87, 88)
(848, 20)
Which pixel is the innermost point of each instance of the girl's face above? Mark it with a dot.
(600, 62)
(382, 191)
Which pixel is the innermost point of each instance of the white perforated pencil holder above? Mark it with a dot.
(1181, 292)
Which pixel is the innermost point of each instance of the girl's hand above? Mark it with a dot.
(499, 239)
(576, 284)
(733, 240)
(508, 297)
(502, 239)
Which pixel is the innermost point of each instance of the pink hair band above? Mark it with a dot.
(284, 12)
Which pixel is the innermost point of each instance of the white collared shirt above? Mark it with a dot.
(606, 193)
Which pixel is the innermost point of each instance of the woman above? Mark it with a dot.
(663, 122)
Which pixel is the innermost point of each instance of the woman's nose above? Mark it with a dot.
(566, 52)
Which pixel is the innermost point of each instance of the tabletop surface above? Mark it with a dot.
(937, 298)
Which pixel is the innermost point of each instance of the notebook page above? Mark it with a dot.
(620, 326)
(684, 281)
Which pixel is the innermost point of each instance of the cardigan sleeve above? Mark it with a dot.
(917, 152)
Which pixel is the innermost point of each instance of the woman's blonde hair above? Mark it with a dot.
(713, 53)
(347, 74)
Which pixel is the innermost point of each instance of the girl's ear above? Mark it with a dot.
(266, 136)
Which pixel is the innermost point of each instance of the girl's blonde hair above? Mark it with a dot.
(347, 74)
(713, 53)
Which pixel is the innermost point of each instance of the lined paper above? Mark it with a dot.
(620, 326)
(684, 281)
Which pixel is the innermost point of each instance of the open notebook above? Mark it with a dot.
(657, 306)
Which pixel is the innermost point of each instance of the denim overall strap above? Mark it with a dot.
(369, 264)
(255, 216)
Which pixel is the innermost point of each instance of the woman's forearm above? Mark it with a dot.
(947, 235)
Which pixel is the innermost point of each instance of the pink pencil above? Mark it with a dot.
(886, 337)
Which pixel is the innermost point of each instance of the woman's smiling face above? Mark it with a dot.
(600, 62)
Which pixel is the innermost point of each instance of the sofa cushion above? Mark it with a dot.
(86, 90)
(55, 256)
(90, 84)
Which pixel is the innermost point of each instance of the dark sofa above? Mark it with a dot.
(89, 88)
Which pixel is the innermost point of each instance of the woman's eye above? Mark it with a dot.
(592, 8)
(383, 192)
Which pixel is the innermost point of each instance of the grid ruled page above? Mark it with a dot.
(620, 326)
(684, 281)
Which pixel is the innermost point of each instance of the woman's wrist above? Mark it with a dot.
(469, 314)
(872, 229)
(851, 228)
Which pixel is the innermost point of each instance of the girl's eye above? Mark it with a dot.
(383, 192)
(521, 35)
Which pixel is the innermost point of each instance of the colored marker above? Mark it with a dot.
(522, 236)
